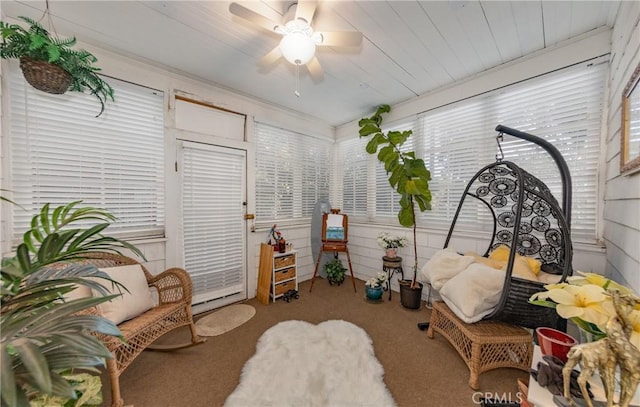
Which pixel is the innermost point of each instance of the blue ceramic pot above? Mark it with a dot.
(374, 294)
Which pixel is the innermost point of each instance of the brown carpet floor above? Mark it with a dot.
(418, 371)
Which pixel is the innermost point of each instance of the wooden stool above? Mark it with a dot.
(484, 345)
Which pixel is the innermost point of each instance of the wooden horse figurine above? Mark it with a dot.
(591, 356)
(628, 356)
(603, 355)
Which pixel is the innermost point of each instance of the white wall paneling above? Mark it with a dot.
(622, 192)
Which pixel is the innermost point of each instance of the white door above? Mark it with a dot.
(213, 226)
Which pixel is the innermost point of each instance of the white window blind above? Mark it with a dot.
(60, 152)
(213, 180)
(564, 107)
(457, 142)
(355, 163)
(292, 173)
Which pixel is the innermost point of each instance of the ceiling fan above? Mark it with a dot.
(299, 40)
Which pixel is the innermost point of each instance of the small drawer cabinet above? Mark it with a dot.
(284, 273)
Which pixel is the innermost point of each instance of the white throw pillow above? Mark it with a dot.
(473, 293)
(442, 266)
(129, 304)
(81, 291)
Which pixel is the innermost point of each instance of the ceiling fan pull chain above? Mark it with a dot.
(297, 91)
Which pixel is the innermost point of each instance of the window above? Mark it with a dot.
(387, 200)
(292, 173)
(457, 140)
(361, 198)
(60, 152)
(355, 164)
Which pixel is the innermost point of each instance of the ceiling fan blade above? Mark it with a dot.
(271, 57)
(306, 9)
(341, 38)
(250, 15)
(315, 69)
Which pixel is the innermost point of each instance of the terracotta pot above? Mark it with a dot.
(391, 253)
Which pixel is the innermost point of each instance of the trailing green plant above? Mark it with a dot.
(335, 271)
(37, 43)
(44, 336)
(408, 175)
(88, 389)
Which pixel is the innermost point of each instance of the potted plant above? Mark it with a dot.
(335, 271)
(374, 287)
(44, 336)
(391, 243)
(88, 389)
(409, 177)
(51, 64)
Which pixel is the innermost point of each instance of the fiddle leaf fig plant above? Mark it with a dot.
(408, 175)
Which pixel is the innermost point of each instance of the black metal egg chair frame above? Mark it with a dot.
(527, 217)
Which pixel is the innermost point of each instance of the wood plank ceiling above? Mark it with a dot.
(409, 47)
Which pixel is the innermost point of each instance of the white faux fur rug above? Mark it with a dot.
(301, 364)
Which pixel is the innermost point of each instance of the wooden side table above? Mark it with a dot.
(391, 265)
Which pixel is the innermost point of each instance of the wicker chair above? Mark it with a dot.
(528, 219)
(173, 311)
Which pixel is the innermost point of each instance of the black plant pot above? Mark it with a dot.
(410, 297)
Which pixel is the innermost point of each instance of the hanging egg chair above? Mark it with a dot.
(526, 217)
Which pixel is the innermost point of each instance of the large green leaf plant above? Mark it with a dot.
(408, 175)
(44, 337)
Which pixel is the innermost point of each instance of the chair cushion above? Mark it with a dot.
(444, 265)
(498, 260)
(129, 304)
(501, 253)
(473, 293)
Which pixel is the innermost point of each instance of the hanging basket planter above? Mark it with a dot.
(45, 76)
(52, 64)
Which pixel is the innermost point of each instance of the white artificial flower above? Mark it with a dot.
(378, 281)
(386, 241)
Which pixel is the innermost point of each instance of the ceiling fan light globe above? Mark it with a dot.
(297, 48)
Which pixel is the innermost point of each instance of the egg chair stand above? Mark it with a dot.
(527, 218)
